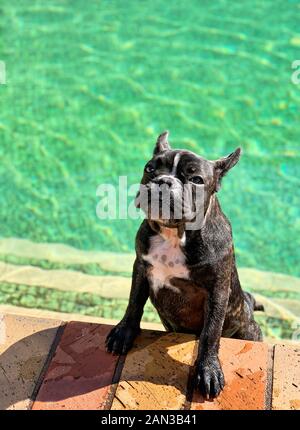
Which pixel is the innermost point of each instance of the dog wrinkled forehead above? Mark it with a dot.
(177, 161)
(185, 162)
(189, 163)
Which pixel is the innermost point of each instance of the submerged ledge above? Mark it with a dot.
(60, 278)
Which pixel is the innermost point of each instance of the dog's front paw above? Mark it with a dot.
(121, 338)
(209, 377)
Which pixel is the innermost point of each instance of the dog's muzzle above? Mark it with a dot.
(165, 199)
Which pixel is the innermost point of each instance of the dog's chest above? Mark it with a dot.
(167, 260)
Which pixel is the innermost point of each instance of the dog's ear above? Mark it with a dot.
(162, 143)
(223, 165)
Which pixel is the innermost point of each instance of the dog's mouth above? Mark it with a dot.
(166, 204)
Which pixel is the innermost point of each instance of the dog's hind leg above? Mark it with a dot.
(249, 329)
(256, 306)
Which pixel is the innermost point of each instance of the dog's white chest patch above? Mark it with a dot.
(167, 259)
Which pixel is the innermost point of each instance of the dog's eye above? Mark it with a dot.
(197, 180)
(190, 170)
(149, 168)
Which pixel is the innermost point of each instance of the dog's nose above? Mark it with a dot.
(163, 181)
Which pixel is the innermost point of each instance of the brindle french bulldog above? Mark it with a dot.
(189, 274)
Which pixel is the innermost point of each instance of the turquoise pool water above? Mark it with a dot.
(91, 84)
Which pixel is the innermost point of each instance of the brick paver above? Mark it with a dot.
(245, 366)
(286, 381)
(155, 373)
(81, 371)
(24, 346)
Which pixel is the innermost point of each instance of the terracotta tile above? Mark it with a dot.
(81, 371)
(24, 346)
(245, 366)
(286, 377)
(155, 373)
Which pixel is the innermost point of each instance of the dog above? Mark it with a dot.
(189, 274)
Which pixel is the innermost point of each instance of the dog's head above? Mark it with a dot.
(177, 184)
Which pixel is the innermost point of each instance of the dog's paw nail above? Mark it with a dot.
(210, 379)
(121, 338)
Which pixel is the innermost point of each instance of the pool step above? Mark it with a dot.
(50, 364)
